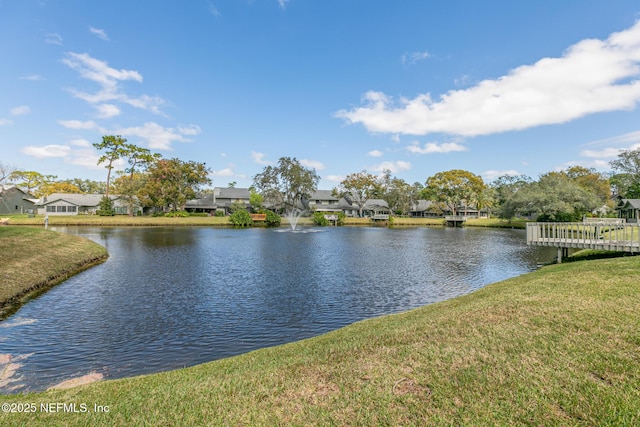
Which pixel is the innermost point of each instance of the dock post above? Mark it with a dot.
(560, 251)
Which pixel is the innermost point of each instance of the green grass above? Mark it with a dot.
(32, 259)
(557, 347)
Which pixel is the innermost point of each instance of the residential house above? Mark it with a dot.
(373, 208)
(629, 209)
(220, 199)
(77, 204)
(425, 209)
(323, 201)
(15, 200)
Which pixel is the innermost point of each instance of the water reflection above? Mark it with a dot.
(173, 297)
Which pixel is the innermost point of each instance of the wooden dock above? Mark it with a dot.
(455, 220)
(604, 235)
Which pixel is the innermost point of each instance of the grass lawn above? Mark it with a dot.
(557, 347)
(32, 259)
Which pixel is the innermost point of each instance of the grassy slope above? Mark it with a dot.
(34, 258)
(560, 346)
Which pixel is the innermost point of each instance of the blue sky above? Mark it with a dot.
(416, 87)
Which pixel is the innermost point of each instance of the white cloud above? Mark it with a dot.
(618, 140)
(491, 174)
(158, 137)
(80, 142)
(607, 152)
(106, 111)
(20, 111)
(53, 38)
(259, 158)
(109, 79)
(314, 164)
(413, 57)
(214, 10)
(5, 122)
(52, 150)
(33, 77)
(375, 153)
(335, 178)
(592, 76)
(189, 130)
(100, 33)
(78, 124)
(434, 147)
(394, 167)
(223, 172)
(283, 3)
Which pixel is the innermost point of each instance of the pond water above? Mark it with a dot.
(174, 297)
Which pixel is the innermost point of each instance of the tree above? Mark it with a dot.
(627, 176)
(508, 195)
(287, 184)
(256, 200)
(5, 174)
(557, 198)
(398, 194)
(358, 188)
(454, 187)
(88, 186)
(34, 182)
(60, 187)
(171, 182)
(115, 148)
(591, 180)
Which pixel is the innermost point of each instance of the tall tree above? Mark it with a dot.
(88, 186)
(358, 188)
(34, 182)
(171, 182)
(627, 173)
(454, 187)
(557, 198)
(508, 195)
(114, 148)
(591, 180)
(286, 184)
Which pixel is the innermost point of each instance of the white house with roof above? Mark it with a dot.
(76, 204)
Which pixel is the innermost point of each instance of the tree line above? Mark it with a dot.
(167, 184)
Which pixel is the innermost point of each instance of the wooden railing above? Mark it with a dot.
(599, 235)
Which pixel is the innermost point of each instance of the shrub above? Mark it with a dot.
(177, 214)
(105, 207)
(273, 219)
(202, 214)
(240, 218)
(319, 219)
(219, 213)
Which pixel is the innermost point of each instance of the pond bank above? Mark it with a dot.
(33, 260)
(142, 221)
(557, 346)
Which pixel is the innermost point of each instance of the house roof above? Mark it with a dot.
(323, 195)
(629, 203)
(423, 205)
(4, 188)
(74, 199)
(231, 193)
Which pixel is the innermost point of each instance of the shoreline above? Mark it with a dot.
(545, 348)
(147, 221)
(52, 258)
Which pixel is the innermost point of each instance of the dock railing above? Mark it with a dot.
(609, 236)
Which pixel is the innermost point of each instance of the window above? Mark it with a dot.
(71, 208)
(61, 209)
(51, 208)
